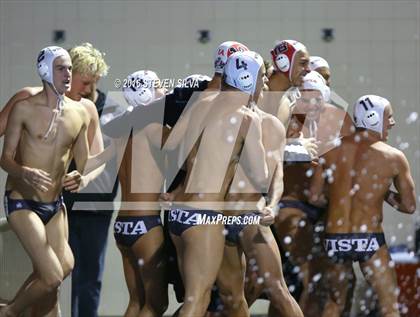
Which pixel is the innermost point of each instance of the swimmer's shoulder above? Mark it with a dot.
(23, 108)
(87, 103)
(391, 158)
(283, 110)
(391, 152)
(30, 96)
(30, 91)
(273, 123)
(202, 106)
(79, 108)
(90, 107)
(25, 93)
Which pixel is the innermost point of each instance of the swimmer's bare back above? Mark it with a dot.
(360, 173)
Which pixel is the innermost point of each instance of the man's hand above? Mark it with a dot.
(166, 199)
(267, 216)
(37, 178)
(393, 199)
(310, 144)
(74, 181)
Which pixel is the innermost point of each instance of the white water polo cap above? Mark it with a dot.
(45, 68)
(241, 71)
(368, 112)
(316, 62)
(283, 56)
(224, 51)
(314, 81)
(45, 62)
(140, 88)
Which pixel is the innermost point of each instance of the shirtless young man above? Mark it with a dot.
(88, 67)
(223, 124)
(313, 117)
(43, 133)
(290, 59)
(359, 174)
(256, 241)
(138, 232)
(80, 89)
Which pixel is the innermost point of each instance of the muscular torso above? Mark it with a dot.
(242, 192)
(51, 155)
(141, 175)
(361, 174)
(214, 155)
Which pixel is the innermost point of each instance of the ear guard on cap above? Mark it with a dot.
(42, 67)
(282, 62)
(371, 118)
(140, 88)
(139, 97)
(245, 80)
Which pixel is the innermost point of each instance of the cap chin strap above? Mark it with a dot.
(56, 112)
(313, 129)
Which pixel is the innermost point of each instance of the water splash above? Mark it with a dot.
(287, 240)
(354, 189)
(403, 146)
(412, 118)
(316, 277)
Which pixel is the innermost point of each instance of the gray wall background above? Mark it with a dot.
(376, 50)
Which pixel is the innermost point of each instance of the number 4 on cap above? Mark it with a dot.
(243, 65)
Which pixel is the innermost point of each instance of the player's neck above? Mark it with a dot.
(367, 135)
(51, 96)
(73, 96)
(233, 98)
(215, 83)
(279, 82)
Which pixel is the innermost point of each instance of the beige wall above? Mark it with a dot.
(376, 50)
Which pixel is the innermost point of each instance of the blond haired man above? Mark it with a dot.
(88, 224)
